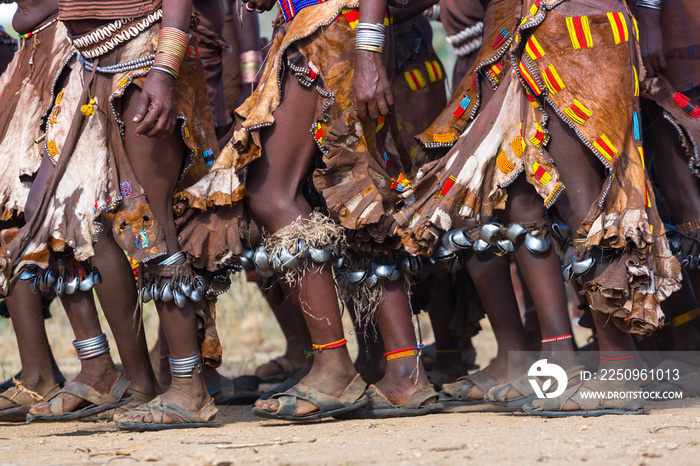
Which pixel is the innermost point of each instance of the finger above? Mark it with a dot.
(382, 105)
(373, 109)
(389, 96)
(142, 107)
(148, 121)
(159, 127)
(361, 109)
(648, 68)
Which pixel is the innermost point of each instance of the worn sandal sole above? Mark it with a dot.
(448, 400)
(80, 414)
(147, 426)
(267, 414)
(515, 403)
(389, 412)
(15, 413)
(528, 408)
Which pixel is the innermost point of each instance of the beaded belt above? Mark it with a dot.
(290, 8)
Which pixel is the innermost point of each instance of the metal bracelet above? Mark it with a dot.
(185, 367)
(651, 4)
(164, 70)
(92, 347)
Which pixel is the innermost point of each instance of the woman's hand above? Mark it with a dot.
(651, 40)
(372, 90)
(259, 5)
(155, 112)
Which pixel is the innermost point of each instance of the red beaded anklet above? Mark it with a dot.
(332, 345)
(403, 353)
(559, 338)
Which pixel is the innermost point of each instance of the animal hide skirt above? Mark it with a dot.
(547, 64)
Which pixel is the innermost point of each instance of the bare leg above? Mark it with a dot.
(370, 362)
(38, 372)
(157, 164)
(275, 199)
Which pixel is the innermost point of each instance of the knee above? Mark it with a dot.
(270, 207)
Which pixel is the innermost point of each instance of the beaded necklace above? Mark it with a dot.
(39, 29)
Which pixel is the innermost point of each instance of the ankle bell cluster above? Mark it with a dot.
(286, 260)
(64, 275)
(492, 236)
(387, 269)
(185, 367)
(169, 282)
(92, 347)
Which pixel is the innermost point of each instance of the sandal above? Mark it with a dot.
(351, 399)
(680, 377)
(22, 399)
(438, 379)
(480, 379)
(99, 402)
(497, 395)
(158, 410)
(286, 370)
(137, 400)
(588, 406)
(281, 388)
(241, 390)
(379, 405)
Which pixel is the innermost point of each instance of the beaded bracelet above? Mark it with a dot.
(559, 338)
(332, 345)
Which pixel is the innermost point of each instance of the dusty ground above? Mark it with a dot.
(668, 434)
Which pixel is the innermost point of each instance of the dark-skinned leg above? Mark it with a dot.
(403, 376)
(582, 175)
(157, 164)
(275, 198)
(118, 298)
(38, 373)
(370, 362)
(491, 276)
(541, 276)
(441, 309)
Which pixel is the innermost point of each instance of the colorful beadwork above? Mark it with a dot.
(637, 126)
(636, 82)
(533, 102)
(318, 132)
(446, 187)
(619, 27)
(640, 149)
(540, 173)
(443, 137)
(312, 74)
(142, 241)
(403, 353)
(52, 148)
(434, 70)
(208, 157)
(605, 147)
(462, 107)
(533, 48)
(559, 338)
(290, 8)
(538, 138)
(494, 71)
(352, 16)
(125, 188)
(552, 80)
(529, 79)
(535, 6)
(415, 79)
(518, 146)
(577, 112)
(380, 123)
(554, 194)
(332, 345)
(687, 105)
(501, 38)
(579, 32)
(505, 165)
(387, 162)
(400, 184)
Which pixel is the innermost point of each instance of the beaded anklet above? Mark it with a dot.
(332, 345)
(447, 351)
(403, 353)
(559, 338)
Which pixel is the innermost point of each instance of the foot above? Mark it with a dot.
(98, 373)
(36, 384)
(403, 378)
(189, 394)
(329, 375)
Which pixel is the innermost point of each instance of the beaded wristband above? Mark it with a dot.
(332, 345)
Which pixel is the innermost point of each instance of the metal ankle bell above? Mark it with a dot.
(246, 259)
(455, 240)
(580, 268)
(386, 272)
(355, 277)
(72, 285)
(185, 367)
(505, 246)
(537, 245)
(480, 245)
(262, 262)
(515, 232)
(320, 256)
(489, 232)
(561, 231)
(411, 265)
(442, 254)
(92, 347)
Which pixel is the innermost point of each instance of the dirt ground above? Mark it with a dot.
(668, 434)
